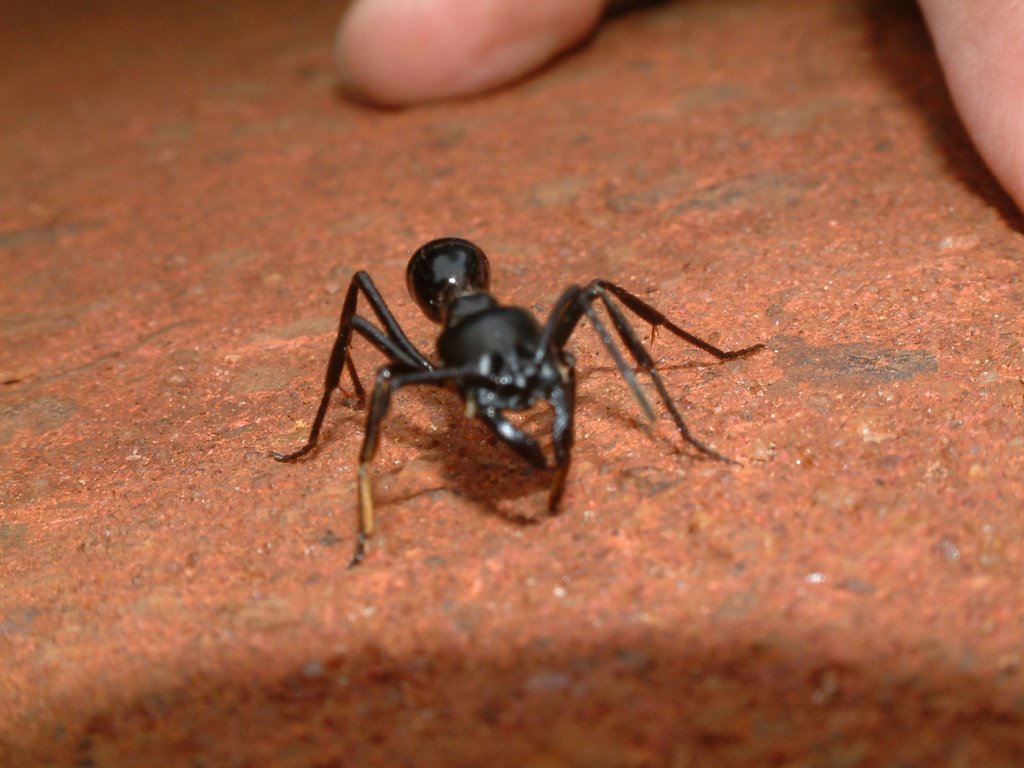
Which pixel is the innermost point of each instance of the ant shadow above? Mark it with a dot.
(457, 456)
(477, 465)
(899, 41)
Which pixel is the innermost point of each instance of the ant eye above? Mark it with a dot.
(443, 269)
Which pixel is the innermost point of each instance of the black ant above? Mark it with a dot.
(497, 357)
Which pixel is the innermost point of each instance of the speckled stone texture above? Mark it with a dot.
(184, 195)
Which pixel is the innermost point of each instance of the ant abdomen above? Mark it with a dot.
(444, 269)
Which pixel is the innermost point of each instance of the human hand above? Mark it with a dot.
(456, 47)
(980, 44)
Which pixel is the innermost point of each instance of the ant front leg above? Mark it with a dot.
(390, 378)
(563, 400)
(395, 344)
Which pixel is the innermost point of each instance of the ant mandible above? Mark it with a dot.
(498, 358)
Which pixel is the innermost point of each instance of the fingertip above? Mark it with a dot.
(978, 45)
(394, 52)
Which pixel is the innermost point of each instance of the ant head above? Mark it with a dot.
(444, 269)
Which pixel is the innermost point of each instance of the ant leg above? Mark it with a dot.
(576, 302)
(562, 320)
(657, 320)
(334, 368)
(620, 362)
(361, 281)
(563, 400)
(378, 410)
(390, 378)
(385, 344)
(566, 315)
(340, 357)
(636, 348)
